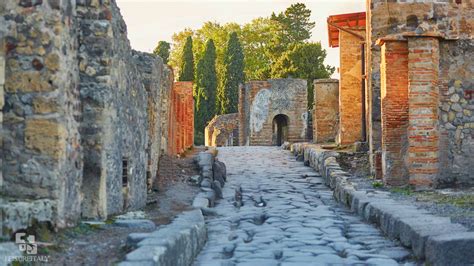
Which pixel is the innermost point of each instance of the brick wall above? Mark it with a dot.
(325, 110)
(350, 91)
(181, 128)
(423, 134)
(262, 101)
(394, 97)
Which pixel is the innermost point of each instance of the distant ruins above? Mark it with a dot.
(85, 119)
(273, 112)
(405, 94)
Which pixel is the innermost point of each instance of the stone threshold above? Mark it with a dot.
(434, 239)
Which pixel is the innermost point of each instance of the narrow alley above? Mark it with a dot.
(287, 216)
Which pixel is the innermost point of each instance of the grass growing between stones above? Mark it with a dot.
(462, 201)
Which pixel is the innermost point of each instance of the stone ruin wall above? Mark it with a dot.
(42, 153)
(442, 31)
(261, 101)
(82, 110)
(222, 130)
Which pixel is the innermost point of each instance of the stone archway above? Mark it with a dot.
(280, 129)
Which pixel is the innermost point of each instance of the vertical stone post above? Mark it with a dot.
(242, 116)
(326, 110)
(394, 106)
(423, 134)
(2, 103)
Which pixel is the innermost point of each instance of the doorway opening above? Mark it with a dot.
(280, 129)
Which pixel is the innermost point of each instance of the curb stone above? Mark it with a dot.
(174, 244)
(432, 238)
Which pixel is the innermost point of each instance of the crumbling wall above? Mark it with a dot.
(82, 120)
(263, 101)
(222, 130)
(42, 155)
(114, 127)
(326, 110)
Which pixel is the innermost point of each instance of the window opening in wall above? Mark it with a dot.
(124, 172)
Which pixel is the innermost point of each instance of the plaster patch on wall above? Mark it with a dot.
(259, 110)
(304, 117)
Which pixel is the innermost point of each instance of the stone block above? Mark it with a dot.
(46, 136)
(450, 249)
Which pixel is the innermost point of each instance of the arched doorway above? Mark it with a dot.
(280, 129)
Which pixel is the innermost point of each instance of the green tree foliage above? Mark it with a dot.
(163, 50)
(306, 61)
(187, 62)
(291, 27)
(205, 89)
(233, 76)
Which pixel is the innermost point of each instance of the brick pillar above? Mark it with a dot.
(350, 92)
(394, 107)
(423, 134)
(326, 110)
(242, 116)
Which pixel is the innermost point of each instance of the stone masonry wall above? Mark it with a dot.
(325, 110)
(84, 116)
(222, 130)
(42, 155)
(456, 109)
(262, 101)
(350, 90)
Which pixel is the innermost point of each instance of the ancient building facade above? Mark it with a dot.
(423, 53)
(85, 118)
(181, 128)
(222, 130)
(325, 110)
(272, 112)
(417, 105)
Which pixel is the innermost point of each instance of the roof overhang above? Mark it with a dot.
(351, 21)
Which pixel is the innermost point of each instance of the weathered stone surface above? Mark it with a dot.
(136, 223)
(451, 249)
(174, 244)
(86, 119)
(279, 104)
(222, 130)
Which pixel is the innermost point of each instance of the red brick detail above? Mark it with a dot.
(350, 91)
(423, 133)
(181, 126)
(394, 108)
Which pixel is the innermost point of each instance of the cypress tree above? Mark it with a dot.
(187, 65)
(163, 50)
(205, 91)
(228, 94)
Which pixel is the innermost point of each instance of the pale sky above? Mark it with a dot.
(149, 21)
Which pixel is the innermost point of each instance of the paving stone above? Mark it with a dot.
(136, 223)
(297, 224)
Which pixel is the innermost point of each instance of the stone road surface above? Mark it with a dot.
(288, 217)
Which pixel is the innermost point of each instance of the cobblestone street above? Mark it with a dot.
(287, 217)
